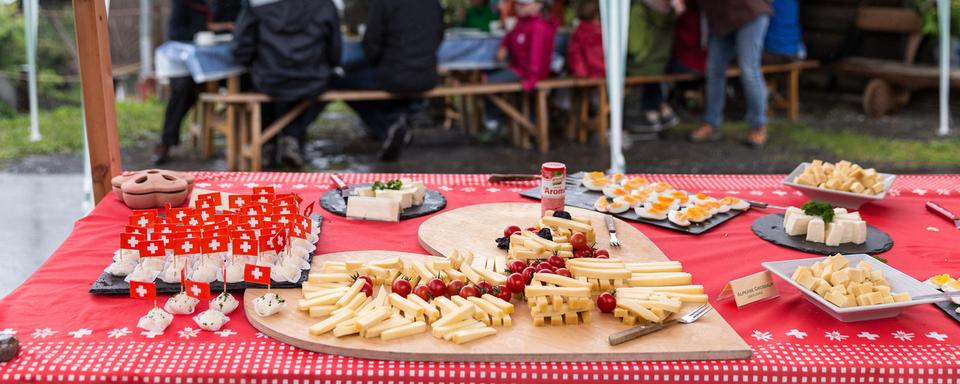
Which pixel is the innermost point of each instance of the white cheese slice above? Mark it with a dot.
(365, 191)
(797, 224)
(860, 232)
(790, 212)
(849, 232)
(816, 230)
(415, 197)
(405, 200)
(834, 233)
(372, 208)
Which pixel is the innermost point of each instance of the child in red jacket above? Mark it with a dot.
(529, 46)
(585, 51)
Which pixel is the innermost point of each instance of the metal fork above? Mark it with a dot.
(612, 228)
(635, 332)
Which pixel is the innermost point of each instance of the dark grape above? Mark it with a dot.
(562, 215)
(545, 233)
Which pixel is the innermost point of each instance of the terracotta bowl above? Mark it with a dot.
(152, 188)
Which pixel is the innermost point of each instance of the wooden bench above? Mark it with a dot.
(600, 122)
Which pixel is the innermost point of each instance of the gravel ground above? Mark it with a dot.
(337, 144)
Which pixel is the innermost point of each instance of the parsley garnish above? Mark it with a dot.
(394, 184)
(824, 210)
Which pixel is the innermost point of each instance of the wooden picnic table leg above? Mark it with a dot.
(256, 146)
(243, 128)
(583, 120)
(603, 116)
(543, 121)
(230, 131)
(207, 122)
(794, 94)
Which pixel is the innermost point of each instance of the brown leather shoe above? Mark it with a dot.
(705, 133)
(758, 137)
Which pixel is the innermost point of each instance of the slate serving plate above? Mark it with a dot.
(770, 228)
(433, 201)
(950, 308)
(581, 197)
(108, 284)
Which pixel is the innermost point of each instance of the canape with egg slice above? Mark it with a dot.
(712, 206)
(614, 191)
(699, 198)
(667, 199)
(678, 218)
(653, 211)
(636, 183)
(629, 200)
(735, 203)
(601, 204)
(680, 196)
(617, 207)
(595, 183)
(617, 178)
(642, 194)
(697, 214)
(661, 187)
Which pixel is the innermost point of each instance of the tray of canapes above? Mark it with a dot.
(211, 245)
(652, 202)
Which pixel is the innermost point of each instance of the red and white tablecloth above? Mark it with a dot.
(68, 335)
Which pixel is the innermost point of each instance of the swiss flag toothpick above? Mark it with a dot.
(258, 274)
(264, 190)
(214, 244)
(186, 246)
(131, 240)
(152, 248)
(143, 220)
(198, 290)
(143, 290)
(242, 247)
(280, 241)
(238, 201)
(309, 209)
(213, 199)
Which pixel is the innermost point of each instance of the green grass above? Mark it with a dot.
(62, 129)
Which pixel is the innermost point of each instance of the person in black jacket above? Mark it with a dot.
(291, 48)
(187, 17)
(400, 45)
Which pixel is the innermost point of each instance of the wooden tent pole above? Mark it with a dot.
(96, 81)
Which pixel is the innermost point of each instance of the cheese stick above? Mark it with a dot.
(322, 310)
(535, 291)
(357, 302)
(391, 263)
(467, 335)
(409, 309)
(305, 304)
(441, 331)
(506, 306)
(638, 309)
(403, 331)
(658, 279)
(309, 294)
(460, 314)
(328, 277)
(487, 307)
(558, 280)
(492, 277)
(372, 318)
(354, 290)
(330, 322)
(392, 322)
(429, 310)
(445, 305)
(600, 273)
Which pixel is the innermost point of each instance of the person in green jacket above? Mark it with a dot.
(649, 47)
(479, 15)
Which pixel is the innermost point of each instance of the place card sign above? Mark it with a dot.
(750, 289)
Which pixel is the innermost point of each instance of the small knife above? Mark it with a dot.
(762, 205)
(341, 186)
(943, 212)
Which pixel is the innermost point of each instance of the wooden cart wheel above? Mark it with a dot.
(878, 98)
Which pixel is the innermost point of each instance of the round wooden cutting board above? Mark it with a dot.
(476, 227)
(709, 338)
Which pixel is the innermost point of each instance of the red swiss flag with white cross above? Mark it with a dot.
(186, 246)
(197, 290)
(143, 290)
(152, 248)
(214, 244)
(257, 274)
(244, 247)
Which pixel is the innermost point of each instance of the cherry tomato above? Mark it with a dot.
(578, 241)
(563, 272)
(528, 274)
(601, 254)
(437, 287)
(453, 287)
(502, 292)
(606, 302)
(484, 287)
(545, 266)
(603, 257)
(517, 266)
(532, 229)
(516, 282)
(367, 289)
(401, 287)
(469, 291)
(510, 230)
(423, 292)
(557, 261)
(367, 278)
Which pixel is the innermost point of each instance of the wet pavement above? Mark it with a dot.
(38, 214)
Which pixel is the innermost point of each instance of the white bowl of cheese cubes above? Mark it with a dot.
(843, 184)
(854, 287)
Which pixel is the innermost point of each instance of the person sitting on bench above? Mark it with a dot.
(783, 43)
(291, 48)
(737, 27)
(400, 47)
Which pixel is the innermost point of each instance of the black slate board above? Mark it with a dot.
(108, 284)
(581, 197)
(770, 228)
(433, 201)
(950, 308)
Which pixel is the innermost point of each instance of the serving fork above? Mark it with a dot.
(612, 228)
(635, 332)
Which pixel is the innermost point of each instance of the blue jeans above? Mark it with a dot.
(747, 44)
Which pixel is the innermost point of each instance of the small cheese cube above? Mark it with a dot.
(816, 229)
